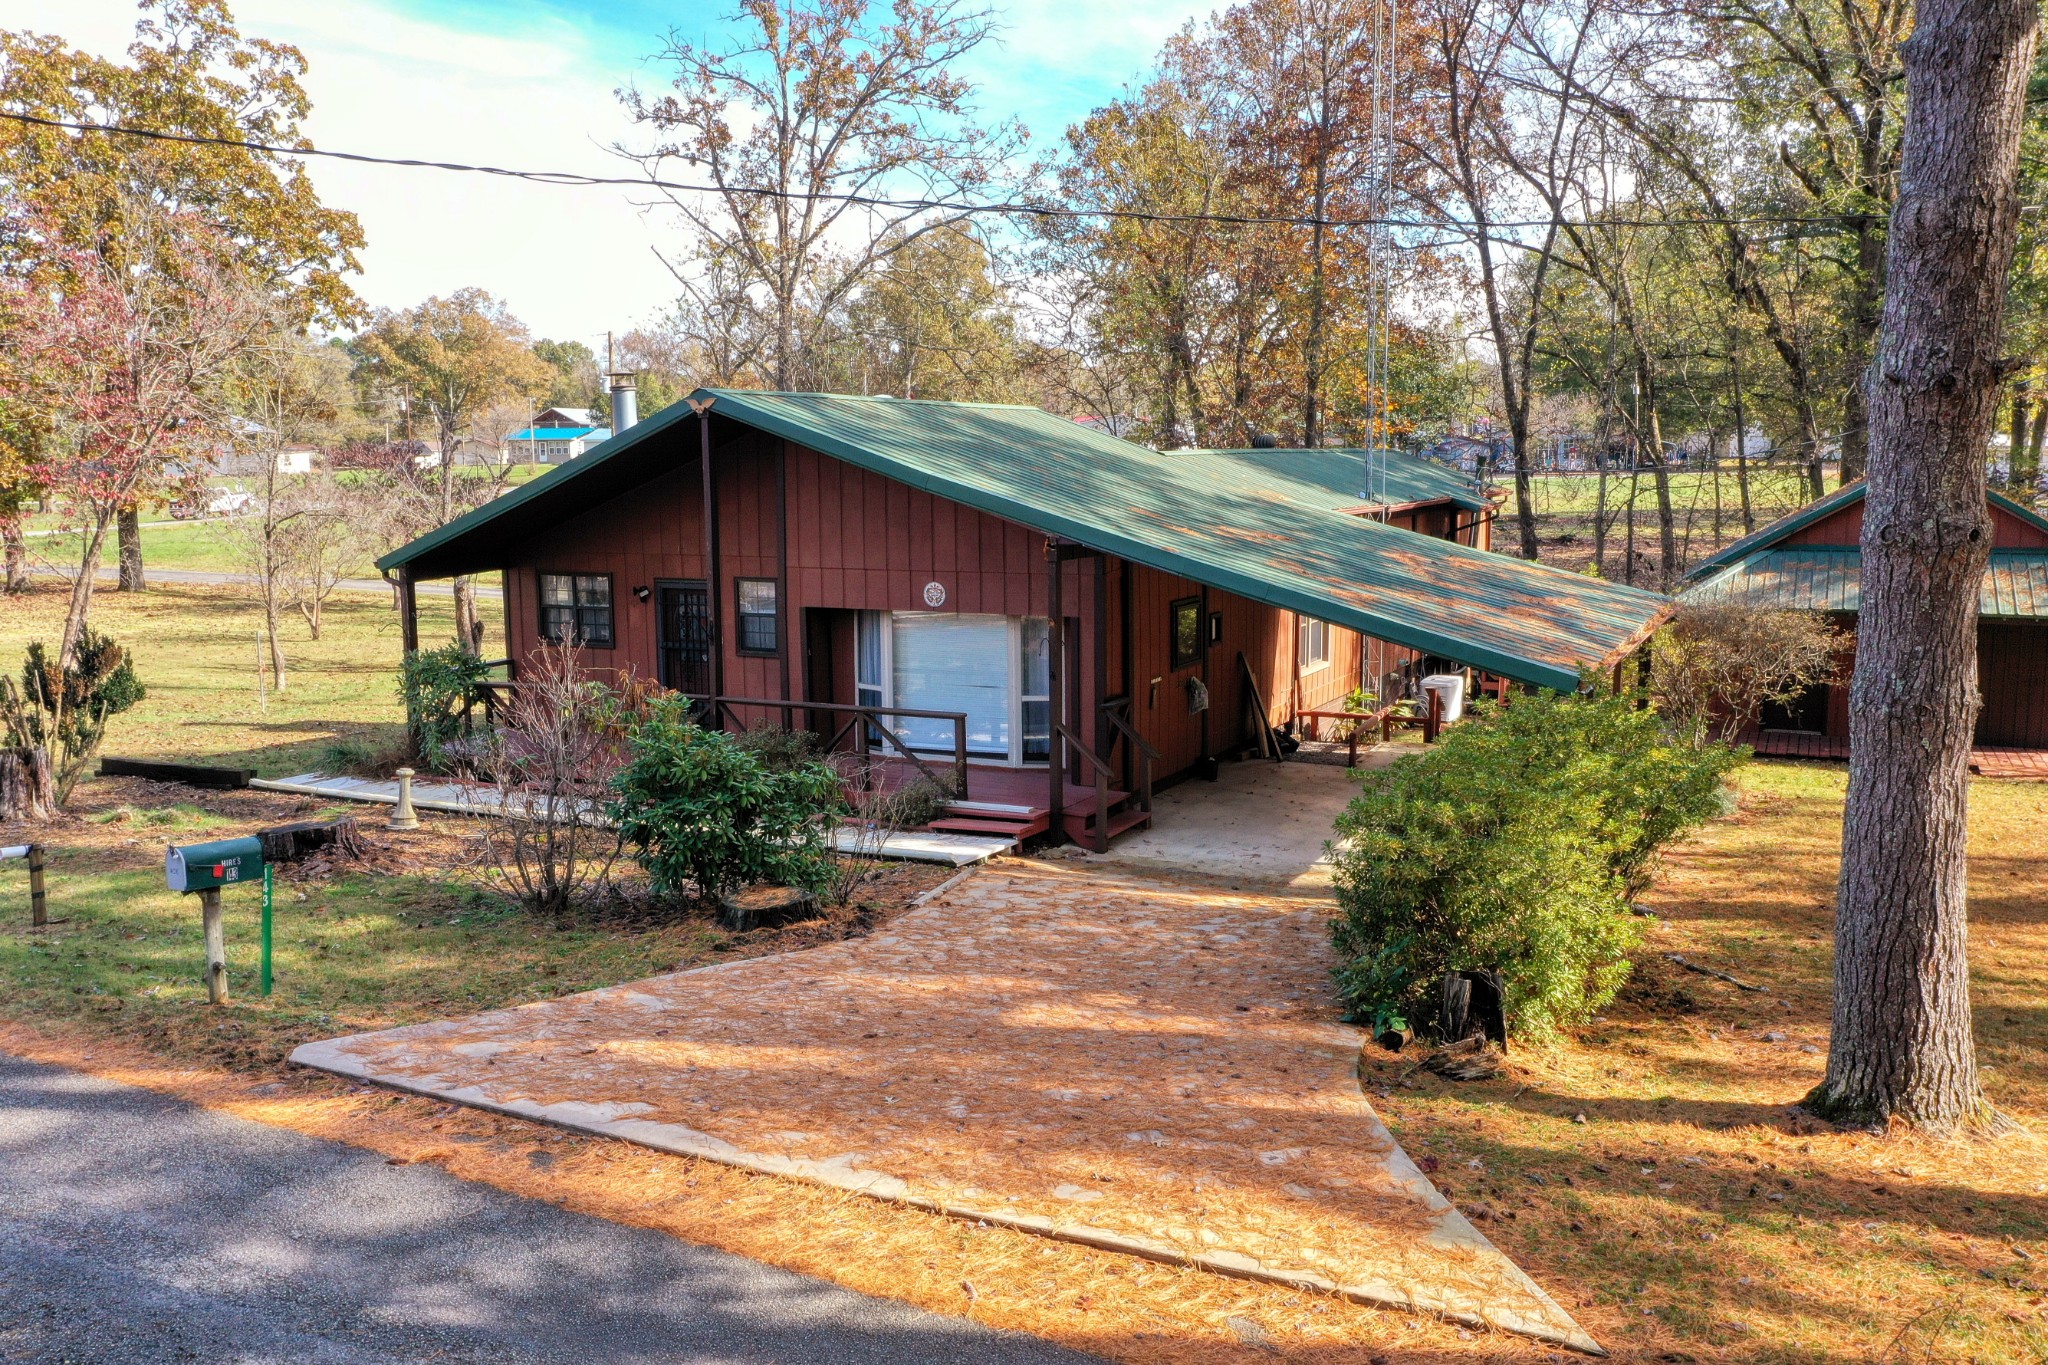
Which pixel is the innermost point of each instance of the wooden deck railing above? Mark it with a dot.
(865, 722)
(1142, 756)
(1103, 773)
(1116, 712)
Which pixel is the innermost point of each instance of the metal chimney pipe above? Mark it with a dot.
(625, 402)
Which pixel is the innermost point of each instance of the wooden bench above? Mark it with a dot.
(1362, 723)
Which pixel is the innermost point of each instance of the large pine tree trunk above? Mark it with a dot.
(1902, 1047)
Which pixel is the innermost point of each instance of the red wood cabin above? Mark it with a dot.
(974, 562)
(1812, 561)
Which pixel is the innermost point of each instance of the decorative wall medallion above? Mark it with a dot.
(935, 594)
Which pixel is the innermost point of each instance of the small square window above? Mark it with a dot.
(576, 608)
(759, 617)
(1186, 639)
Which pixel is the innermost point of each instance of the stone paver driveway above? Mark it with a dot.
(1114, 1058)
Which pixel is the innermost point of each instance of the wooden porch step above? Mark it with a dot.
(1081, 829)
(1018, 830)
(1081, 801)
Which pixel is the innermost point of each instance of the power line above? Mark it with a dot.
(576, 179)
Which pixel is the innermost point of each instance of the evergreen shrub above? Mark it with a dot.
(1516, 843)
(700, 810)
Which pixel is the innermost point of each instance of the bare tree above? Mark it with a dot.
(1717, 663)
(287, 391)
(822, 99)
(328, 543)
(1902, 1047)
(1495, 127)
(551, 761)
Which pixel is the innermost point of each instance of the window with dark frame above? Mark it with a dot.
(1186, 627)
(759, 617)
(576, 608)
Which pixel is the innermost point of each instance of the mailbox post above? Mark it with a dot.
(203, 869)
(38, 906)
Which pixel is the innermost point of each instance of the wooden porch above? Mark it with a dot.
(1990, 760)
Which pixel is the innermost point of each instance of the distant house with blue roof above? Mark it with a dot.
(556, 436)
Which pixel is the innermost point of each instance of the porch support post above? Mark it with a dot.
(712, 601)
(1056, 699)
(408, 609)
(1207, 747)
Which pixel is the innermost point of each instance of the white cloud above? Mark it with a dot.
(570, 262)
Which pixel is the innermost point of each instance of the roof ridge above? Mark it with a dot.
(883, 398)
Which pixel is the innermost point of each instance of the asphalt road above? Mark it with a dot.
(136, 1228)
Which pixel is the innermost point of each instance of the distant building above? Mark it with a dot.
(556, 436)
(1812, 560)
(291, 459)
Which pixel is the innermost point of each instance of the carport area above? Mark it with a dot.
(1259, 824)
(1085, 1050)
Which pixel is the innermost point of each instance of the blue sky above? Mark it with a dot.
(528, 84)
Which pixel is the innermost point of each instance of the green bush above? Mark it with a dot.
(439, 686)
(1516, 844)
(64, 711)
(698, 809)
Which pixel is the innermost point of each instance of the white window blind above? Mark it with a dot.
(949, 662)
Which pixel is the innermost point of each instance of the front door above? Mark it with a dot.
(685, 637)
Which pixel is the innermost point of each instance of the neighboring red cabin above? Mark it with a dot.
(1811, 561)
(976, 561)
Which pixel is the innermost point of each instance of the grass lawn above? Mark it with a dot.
(1566, 504)
(195, 648)
(1651, 1172)
(409, 932)
(200, 546)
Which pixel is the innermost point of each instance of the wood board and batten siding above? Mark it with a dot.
(838, 539)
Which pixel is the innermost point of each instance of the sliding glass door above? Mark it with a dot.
(993, 669)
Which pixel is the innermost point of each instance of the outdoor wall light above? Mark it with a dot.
(641, 594)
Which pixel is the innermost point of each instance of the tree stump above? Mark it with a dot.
(758, 907)
(28, 787)
(1474, 1005)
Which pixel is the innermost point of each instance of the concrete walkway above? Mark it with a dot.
(1114, 1059)
(456, 798)
(1260, 824)
(136, 1229)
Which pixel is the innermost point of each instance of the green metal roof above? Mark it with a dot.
(1353, 477)
(1830, 578)
(1269, 534)
(1746, 548)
